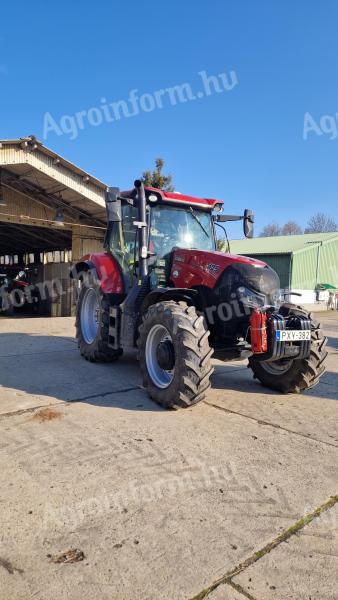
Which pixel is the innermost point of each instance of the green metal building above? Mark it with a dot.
(303, 262)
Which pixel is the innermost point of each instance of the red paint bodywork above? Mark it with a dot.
(108, 272)
(176, 198)
(191, 268)
(183, 199)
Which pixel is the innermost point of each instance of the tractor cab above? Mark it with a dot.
(170, 221)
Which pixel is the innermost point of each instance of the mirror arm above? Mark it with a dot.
(225, 218)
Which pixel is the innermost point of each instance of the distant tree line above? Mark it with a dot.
(319, 223)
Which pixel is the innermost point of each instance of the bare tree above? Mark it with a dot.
(291, 228)
(321, 223)
(271, 230)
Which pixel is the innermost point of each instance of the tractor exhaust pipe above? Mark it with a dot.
(141, 224)
(130, 307)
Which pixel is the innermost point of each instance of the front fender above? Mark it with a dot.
(106, 270)
(163, 294)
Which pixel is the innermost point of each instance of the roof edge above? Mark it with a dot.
(35, 144)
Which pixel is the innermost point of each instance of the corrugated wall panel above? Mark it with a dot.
(86, 241)
(304, 269)
(328, 270)
(18, 204)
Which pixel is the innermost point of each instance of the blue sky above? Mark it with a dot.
(244, 145)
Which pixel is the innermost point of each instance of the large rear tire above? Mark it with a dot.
(92, 325)
(294, 376)
(174, 354)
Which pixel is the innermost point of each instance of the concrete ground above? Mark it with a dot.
(104, 495)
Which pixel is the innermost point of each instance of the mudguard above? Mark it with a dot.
(166, 293)
(106, 270)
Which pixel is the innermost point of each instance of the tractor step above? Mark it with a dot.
(114, 327)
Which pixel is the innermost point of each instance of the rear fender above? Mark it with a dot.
(104, 269)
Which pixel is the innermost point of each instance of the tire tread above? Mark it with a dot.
(193, 371)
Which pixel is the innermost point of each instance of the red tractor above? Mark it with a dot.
(161, 285)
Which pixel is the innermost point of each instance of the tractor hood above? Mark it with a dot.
(224, 273)
(198, 267)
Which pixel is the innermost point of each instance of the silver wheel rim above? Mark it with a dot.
(90, 315)
(277, 367)
(160, 377)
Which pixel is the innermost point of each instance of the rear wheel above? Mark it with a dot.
(92, 325)
(292, 375)
(174, 354)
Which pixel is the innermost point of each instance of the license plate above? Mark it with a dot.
(293, 335)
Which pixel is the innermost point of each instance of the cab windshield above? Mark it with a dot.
(168, 227)
(183, 227)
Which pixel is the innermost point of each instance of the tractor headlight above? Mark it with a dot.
(250, 298)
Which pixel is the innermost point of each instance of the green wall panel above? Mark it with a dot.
(280, 263)
(304, 269)
(328, 270)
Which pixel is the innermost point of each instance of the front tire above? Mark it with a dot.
(92, 325)
(174, 354)
(292, 376)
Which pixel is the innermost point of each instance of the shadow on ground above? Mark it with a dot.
(332, 342)
(51, 366)
(241, 380)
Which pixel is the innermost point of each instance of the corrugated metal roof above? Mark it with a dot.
(28, 160)
(284, 244)
(32, 143)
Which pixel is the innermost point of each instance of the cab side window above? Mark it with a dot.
(123, 240)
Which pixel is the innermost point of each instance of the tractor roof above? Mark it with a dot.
(177, 198)
(181, 199)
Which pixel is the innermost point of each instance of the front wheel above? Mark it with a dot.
(92, 325)
(174, 354)
(291, 375)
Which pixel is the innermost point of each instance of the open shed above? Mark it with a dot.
(51, 213)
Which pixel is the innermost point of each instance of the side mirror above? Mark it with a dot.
(113, 205)
(114, 212)
(248, 223)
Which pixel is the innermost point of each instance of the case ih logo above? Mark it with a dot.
(213, 269)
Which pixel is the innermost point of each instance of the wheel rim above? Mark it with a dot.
(277, 367)
(90, 315)
(162, 378)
